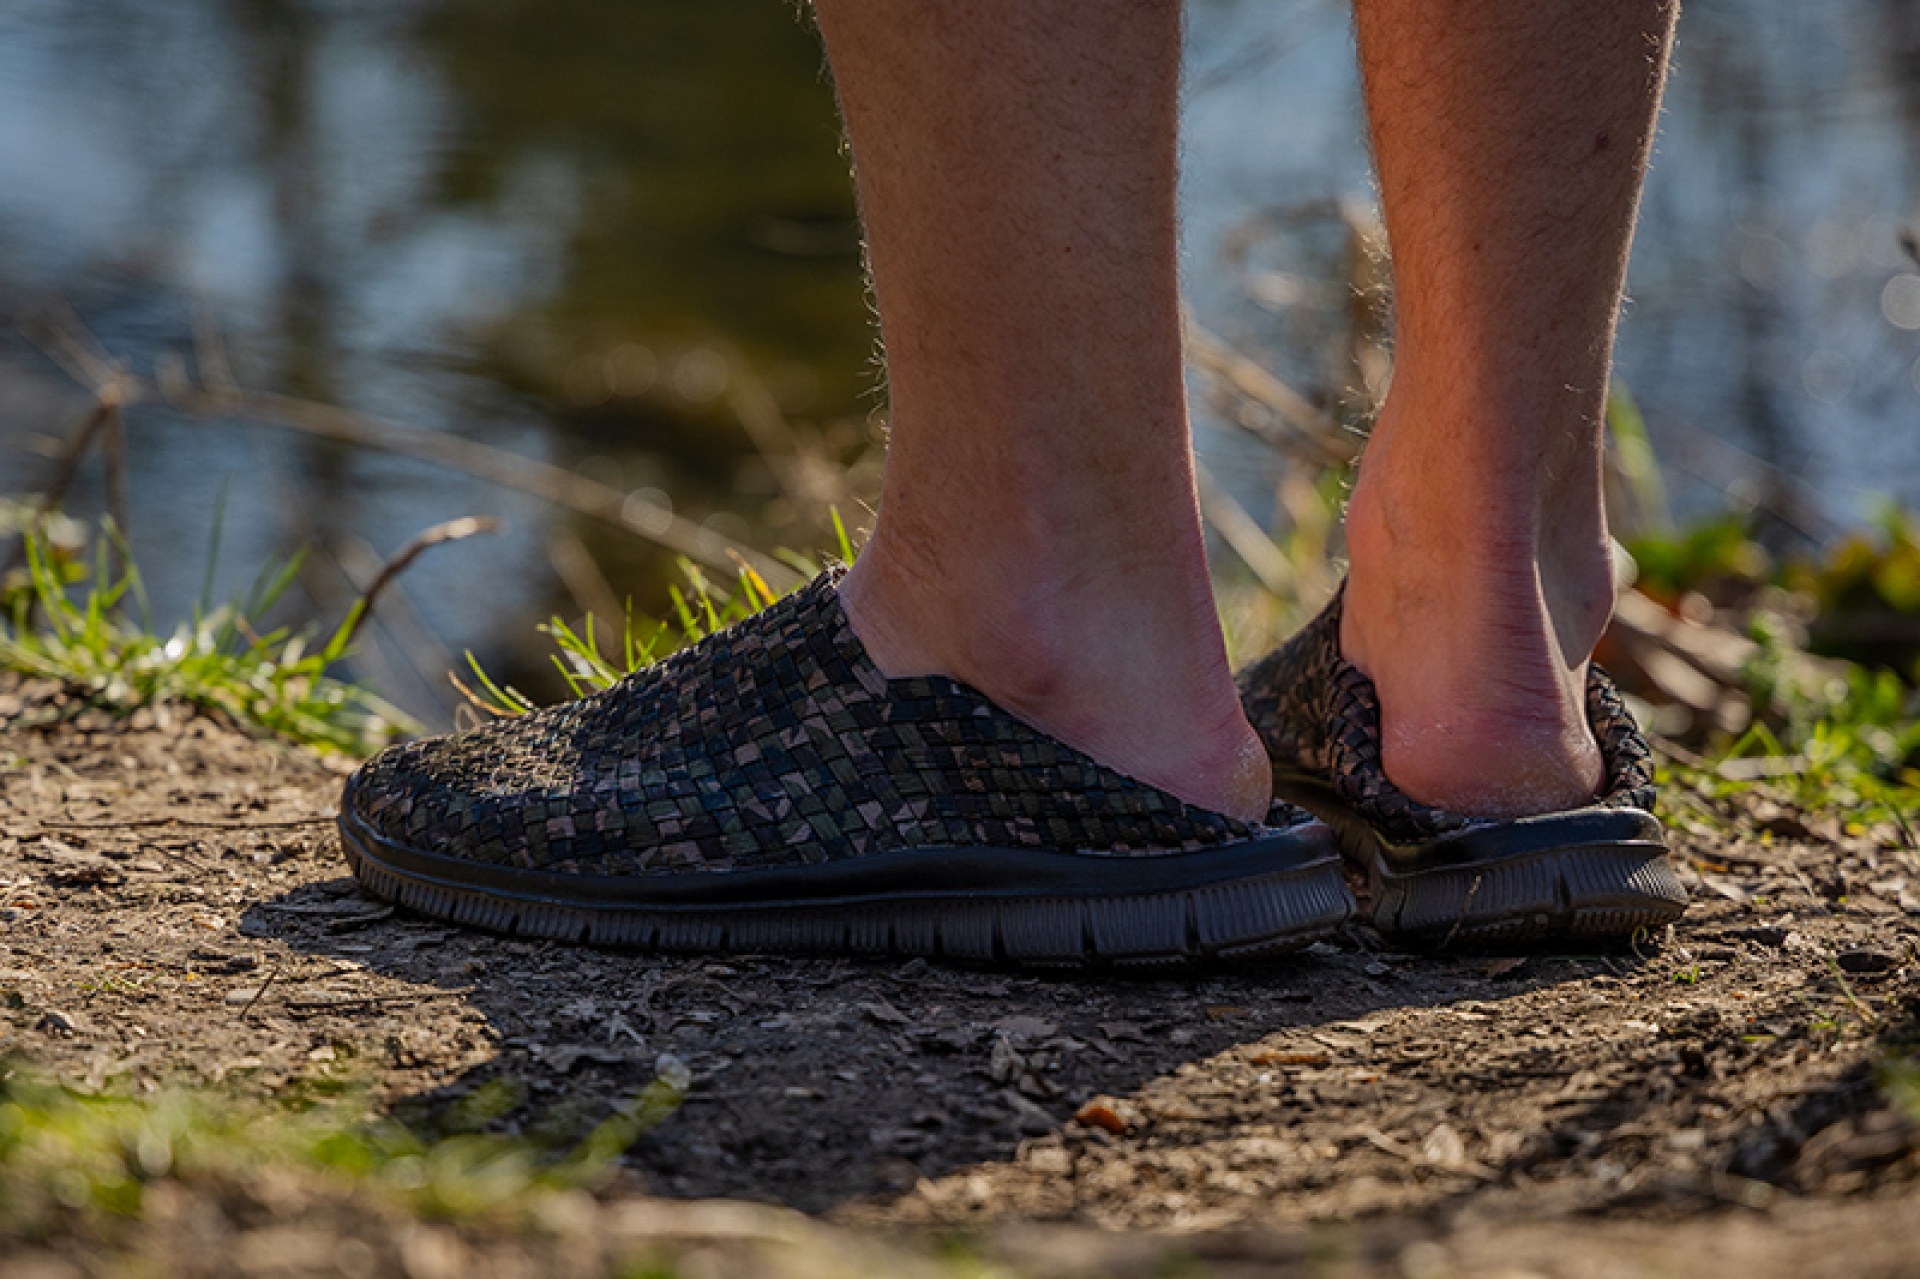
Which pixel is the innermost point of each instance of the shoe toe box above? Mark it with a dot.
(473, 795)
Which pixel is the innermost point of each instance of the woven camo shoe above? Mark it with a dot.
(769, 789)
(1596, 873)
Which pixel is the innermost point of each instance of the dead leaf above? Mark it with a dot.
(1101, 1112)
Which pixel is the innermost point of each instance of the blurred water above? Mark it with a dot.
(1773, 332)
(551, 227)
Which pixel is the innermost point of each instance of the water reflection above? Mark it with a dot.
(685, 157)
(583, 231)
(1758, 338)
(557, 227)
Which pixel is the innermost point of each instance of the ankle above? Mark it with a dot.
(1130, 673)
(1541, 597)
(1476, 619)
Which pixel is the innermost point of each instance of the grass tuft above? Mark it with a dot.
(1848, 743)
(72, 616)
(65, 1151)
(590, 662)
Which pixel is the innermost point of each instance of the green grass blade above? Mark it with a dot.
(842, 541)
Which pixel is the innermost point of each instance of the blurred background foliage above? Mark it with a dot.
(594, 270)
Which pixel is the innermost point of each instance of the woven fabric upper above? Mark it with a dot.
(774, 743)
(1321, 717)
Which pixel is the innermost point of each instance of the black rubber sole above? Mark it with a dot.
(983, 905)
(1597, 876)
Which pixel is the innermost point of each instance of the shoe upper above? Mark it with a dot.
(1319, 716)
(776, 742)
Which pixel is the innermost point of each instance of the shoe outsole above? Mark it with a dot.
(1604, 893)
(1239, 905)
(1590, 876)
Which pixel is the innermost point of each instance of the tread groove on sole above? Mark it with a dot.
(1593, 892)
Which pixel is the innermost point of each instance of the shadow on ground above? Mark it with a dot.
(821, 1081)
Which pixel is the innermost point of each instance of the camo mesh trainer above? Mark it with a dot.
(769, 788)
(1597, 872)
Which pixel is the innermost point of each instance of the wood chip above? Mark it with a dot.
(1284, 1057)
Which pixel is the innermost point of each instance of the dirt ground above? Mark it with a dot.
(174, 906)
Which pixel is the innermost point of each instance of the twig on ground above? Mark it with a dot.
(450, 531)
(1846, 992)
(271, 974)
(137, 823)
(425, 653)
(314, 1007)
(1715, 654)
(335, 590)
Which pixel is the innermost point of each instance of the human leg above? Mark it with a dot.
(814, 778)
(1511, 138)
(1038, 537)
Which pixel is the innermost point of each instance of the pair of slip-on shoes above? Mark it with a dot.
(770, 789)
